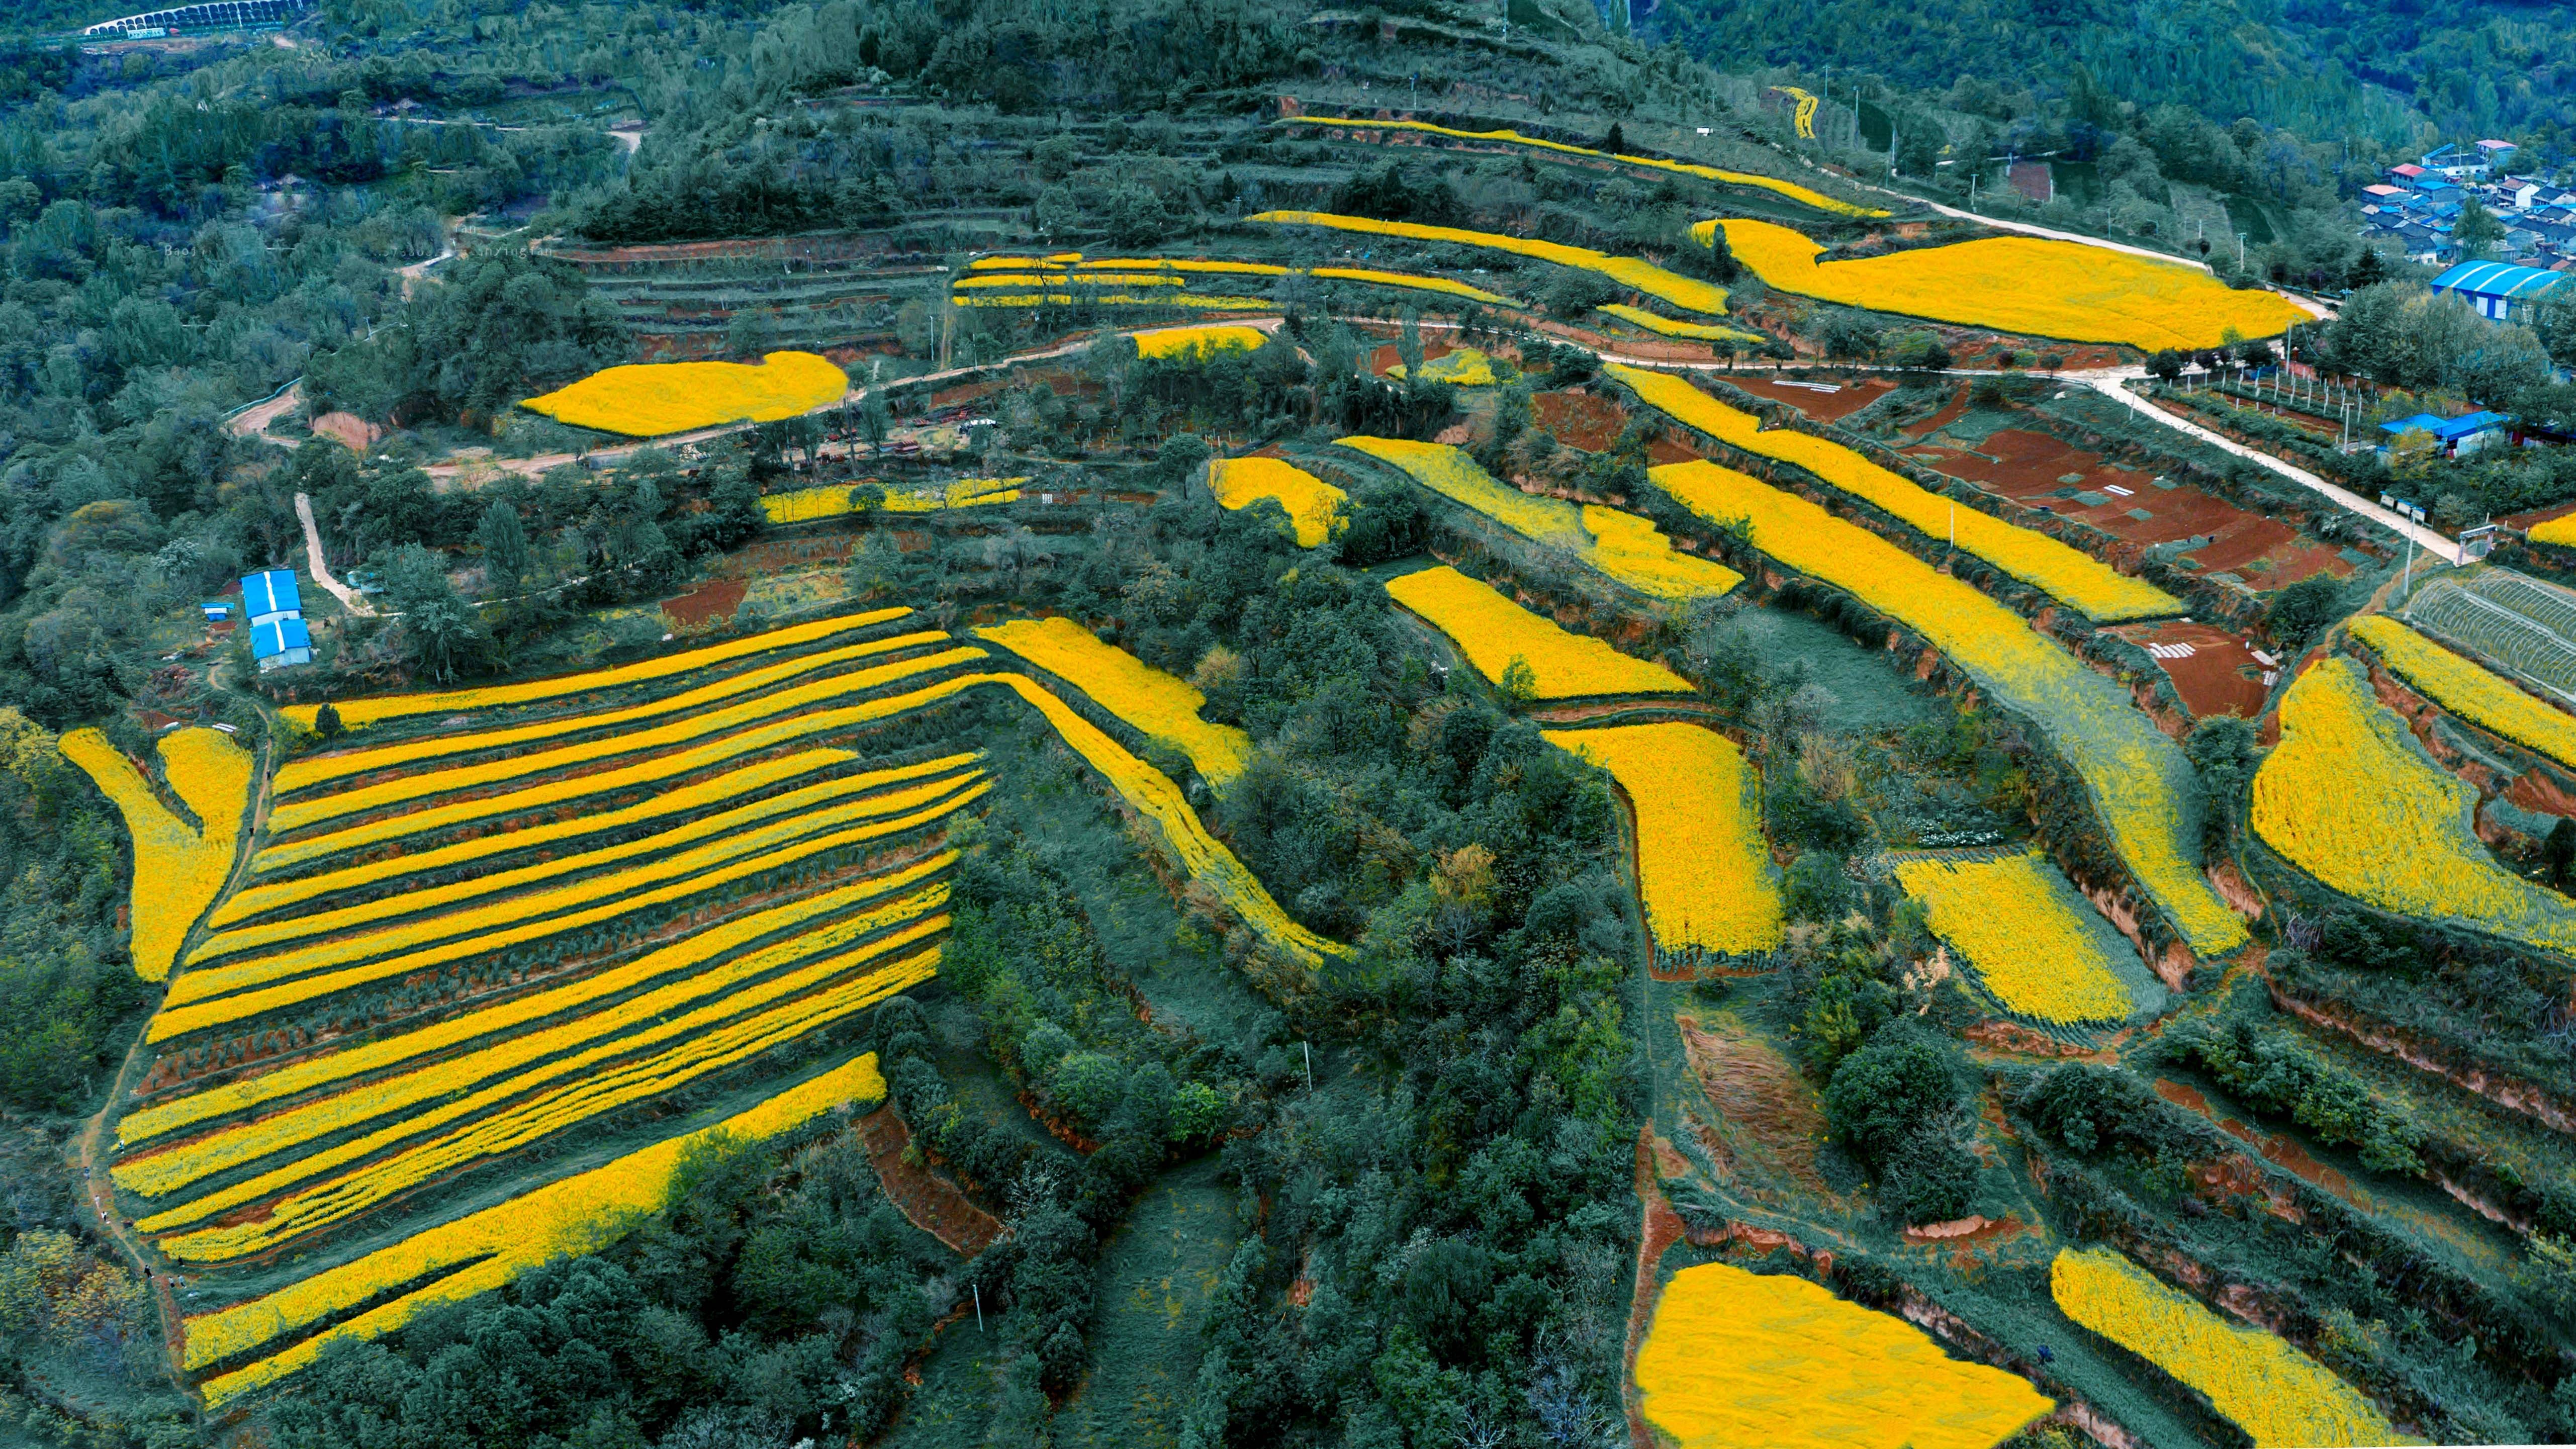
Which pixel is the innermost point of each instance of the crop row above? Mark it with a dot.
(553, 793)
(483, 1250)
(2139, 779)
(2033, 285)
(178, 1020)
(425, 924)
(358, 713)
(836, 500)
(1162, 708)
(732, 785)
(304, 774)
(1773, 184)
(1666, 326)
(2066, 573)
(1495, 633)
(809, 918)
(1160, 272)
(2273, 1392)
(179, 868)
(1202, 301)
(714, 1046)
(2349, 798)
(1703, 869)
(1688, 293)
(300, 814)
(1619, 546)
(2025, 933)
(1151, 793)
(2468, 690)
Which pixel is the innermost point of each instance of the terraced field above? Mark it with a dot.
(497, 959)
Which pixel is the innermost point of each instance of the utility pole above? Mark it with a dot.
(2240, 251)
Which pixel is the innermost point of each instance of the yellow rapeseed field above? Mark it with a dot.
(1186, 264)
(2276, 1394)
(359, 713)
(2465, 688)
(1620, 545)
(178, 1017)
(836, 500)
(1412, 282)
(2351, 799)
(1495, 633)
(179, 868)
(1696, 331)
(1197, 341)
(428, 1096)
(685, 961)
(709, 1047)
(1688, 293)
(1152, 794)
(281, 857)
(2560, 531)
(1703, 868)
(2025, 931)
(1185, 301)
(2026, 284)
(1773, 184)
(1462, 366)
(310, 810)
(2140, 781)
(312, 770)
(1738, 1359)
(1636, 553)
(484, 1250)
(1311, 502)
(1150, 269)
(2068, 574)
(1162, 708)
(647, 400)
(663, 845)
(274, 895)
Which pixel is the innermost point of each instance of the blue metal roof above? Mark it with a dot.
(277, 638)
(2497, 279)
(271, 592)
(2448, 430)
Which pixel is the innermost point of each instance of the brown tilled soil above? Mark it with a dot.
(2279, 1150)
(927, 1197)
(2220, 676)
(1660, 1229)
(1850, 395)
(713, 600)
(1392, 356)
(1579, 419)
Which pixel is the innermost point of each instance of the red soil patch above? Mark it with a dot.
(2219, 676)
(2280, 1151)
(2539, 793)
(965, 392)
(1660, 1229)
(1391, 356)
(927, 1197)
(1755, 1090)
(1826, 402)
(348, 430)
(2034, 468)
(1579, 419)
(713, 600)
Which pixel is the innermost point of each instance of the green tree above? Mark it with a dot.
(2299, 613)
(2222, 750)
(2476, 231)
(505, 548)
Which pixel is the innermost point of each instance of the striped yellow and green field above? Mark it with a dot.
(1806, 195)
(482, 955)
(2350, 798)
(2066, 573)
(1496, 634)
(839, 500)
(2469, 690)
(2276, 1394)
(1003, 281)
(1703, 868)
(2140, 781)
(1620, 546)
(1162, 708)
(1688, 293)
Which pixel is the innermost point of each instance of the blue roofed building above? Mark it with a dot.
(2500, 291)
(278, 635)
(2454, 436)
